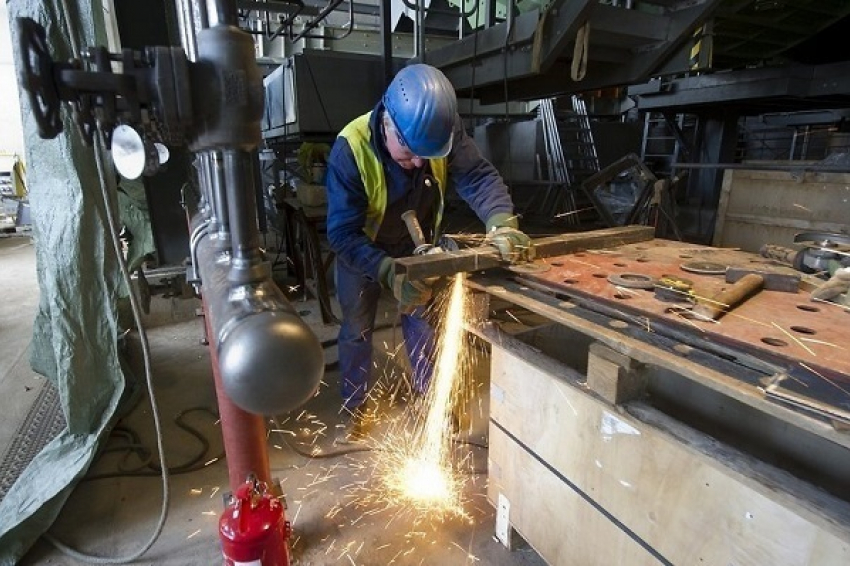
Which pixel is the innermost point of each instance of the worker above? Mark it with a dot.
(403, 155)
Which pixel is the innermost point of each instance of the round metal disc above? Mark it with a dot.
(529, 268)
(162, 153)
(128, 152)
(632, 280)
(704, 267)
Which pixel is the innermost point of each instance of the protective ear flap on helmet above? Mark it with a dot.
(422, 104)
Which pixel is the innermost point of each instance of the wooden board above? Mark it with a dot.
(590, 485)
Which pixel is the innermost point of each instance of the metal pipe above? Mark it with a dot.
(219, 219)
(202, 168)
(247, 265)
(269, 360)
(243, 433)
(418, 32)
(200, 16)
(222, 13)
(386, 42)
(187, 37)
(198, 234)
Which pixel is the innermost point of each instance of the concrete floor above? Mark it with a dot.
(334, 503)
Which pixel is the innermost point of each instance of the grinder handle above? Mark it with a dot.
(714, 307)
(413, 226)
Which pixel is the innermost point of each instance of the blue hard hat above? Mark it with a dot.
(422, 104)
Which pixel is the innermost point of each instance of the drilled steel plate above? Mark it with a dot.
(780, 324)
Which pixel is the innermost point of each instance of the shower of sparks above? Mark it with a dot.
(572, 212)
(414, 461)
(408, 473)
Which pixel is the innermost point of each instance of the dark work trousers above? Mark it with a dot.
(358, 297)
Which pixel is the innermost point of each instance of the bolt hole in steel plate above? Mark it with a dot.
(632, 280)
(774, 341)
(526, 268)
(600, 275)
(804, 330)
(703, 267)
(808, 308)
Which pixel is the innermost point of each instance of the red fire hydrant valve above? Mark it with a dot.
(253, 529)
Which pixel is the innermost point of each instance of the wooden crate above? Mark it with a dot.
(592, 483)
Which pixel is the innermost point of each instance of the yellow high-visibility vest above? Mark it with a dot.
(359, 136)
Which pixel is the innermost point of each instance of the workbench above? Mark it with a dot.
(622, 432)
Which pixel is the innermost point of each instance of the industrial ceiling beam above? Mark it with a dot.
(536, 53)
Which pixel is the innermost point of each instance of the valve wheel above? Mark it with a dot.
(35, 73)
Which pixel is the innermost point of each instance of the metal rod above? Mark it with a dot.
(764, 167)
(386, 41)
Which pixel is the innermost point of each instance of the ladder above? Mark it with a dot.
(663, 143)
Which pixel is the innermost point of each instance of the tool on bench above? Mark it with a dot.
(673, 289)
(745, 283)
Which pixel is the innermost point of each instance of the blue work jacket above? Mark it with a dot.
(474, 178)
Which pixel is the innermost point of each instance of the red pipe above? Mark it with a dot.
(244, 433)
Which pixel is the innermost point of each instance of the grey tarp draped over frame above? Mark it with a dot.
(75, 332)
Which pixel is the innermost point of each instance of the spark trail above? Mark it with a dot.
(415, 462)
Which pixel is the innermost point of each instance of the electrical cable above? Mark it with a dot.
(137, 317)
(147, 468)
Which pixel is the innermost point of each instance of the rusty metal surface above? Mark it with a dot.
(810, 337)
(487, 257)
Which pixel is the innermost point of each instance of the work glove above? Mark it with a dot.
(836, 286)
(503, 233)
(408, 293)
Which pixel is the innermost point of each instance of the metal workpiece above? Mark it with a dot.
(487, 257)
